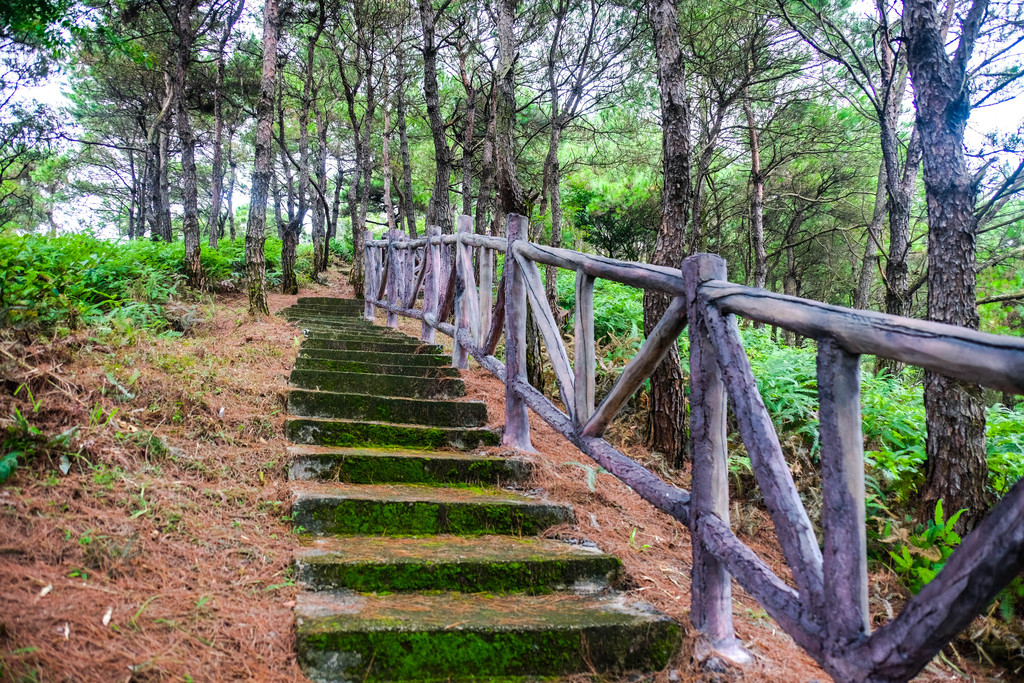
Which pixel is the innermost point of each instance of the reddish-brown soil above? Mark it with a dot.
(163, 553)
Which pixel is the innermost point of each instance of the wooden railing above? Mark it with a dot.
(826, 609)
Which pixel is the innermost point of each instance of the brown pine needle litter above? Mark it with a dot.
(151, 541)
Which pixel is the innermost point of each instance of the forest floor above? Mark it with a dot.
(154, 544)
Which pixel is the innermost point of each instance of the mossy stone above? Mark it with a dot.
(353, 434)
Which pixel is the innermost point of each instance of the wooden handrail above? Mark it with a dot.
(826, 613)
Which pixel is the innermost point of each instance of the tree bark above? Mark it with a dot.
(186, 138)
(408, 210)
(217, 173)
(873, 239)
(289, 279)
(756, 198)
(439, 209)
(666, 429)
(319, 206)
(256, 230)
(956, 469)
(483, 199)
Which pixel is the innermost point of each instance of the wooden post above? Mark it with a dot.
(711, 585)
(486, 291)
(844, 558)
(584, 361)
(394, 278)
(460, 355)
(432, 253)
(517, 424)
(372, 276)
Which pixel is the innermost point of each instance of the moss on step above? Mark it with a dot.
(549, 640)
(375, 466)
(377, 357)
(381, 385)
(378, 344)
(419, 511)
(494, 565)
(349, 406)
(317, 364)
(353, 434)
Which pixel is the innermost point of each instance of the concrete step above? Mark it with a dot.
(419, 510)
(373, 368)
(349, 636)
(495, 564)
(378, 345)
(410, 411)
(371, 336)
(389, 466)
(432, 360)
(381, 385)
(328, 301)
(353, 434)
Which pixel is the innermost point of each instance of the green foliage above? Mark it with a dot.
(619, 220)
(925, 551)
(80, 280)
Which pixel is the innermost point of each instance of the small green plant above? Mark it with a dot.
(925, 552)
(633, 544)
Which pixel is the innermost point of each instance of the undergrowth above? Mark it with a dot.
(81, 281)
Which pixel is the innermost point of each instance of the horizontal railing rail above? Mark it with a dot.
(825, 610)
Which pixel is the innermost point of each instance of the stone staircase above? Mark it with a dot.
(417, 564)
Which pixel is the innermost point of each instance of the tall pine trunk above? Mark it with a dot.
(666, 429)
(956, 469)
(186, 138)
(439, 209)
(256, 231)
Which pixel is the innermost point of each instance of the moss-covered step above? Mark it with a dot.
(315, 364)
(328, 301)
(390, 466)
(395, 409)
(420, 510)
(381, 385)
(493, 564)
(353, 434)
(356, 637)
(377, 357)
(385, 345)
(368, 336)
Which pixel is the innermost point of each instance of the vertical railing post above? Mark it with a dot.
(486, 298)
(394, 281)
(845, 555)
(432, 253)
(584, 361)
(711, 585)
(370, 267)
(460, 354)
(517, 424)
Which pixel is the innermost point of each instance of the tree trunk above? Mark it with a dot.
(666, 429)
(164, 184)
(256, 231)
(231, 188)
(189, 183)
(874, 236)
(483, 200)
(289, 279)
(756, 198)
(956, 469)
(217, 179)
(439, 209)
(467, 137)
(403, 139)
(319, 206)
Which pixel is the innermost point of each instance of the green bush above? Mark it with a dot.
(81, 280)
